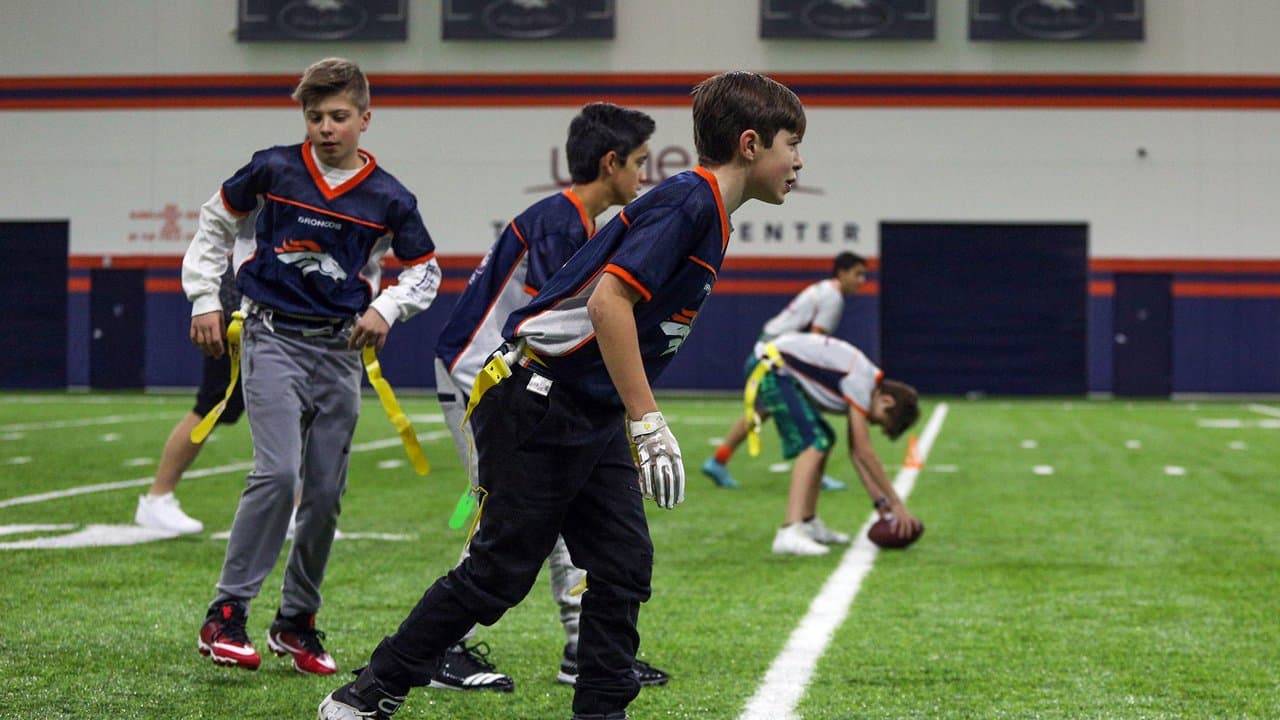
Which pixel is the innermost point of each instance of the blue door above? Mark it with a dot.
(33, 273)
(117, 317)
(1142, 360)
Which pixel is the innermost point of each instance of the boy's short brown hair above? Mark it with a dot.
(729, 104)
(905, 410)
(332, 76)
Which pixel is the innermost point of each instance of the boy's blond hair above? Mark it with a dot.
(332, 76)
(729, 104)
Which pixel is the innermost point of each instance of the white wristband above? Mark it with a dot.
(651, 422)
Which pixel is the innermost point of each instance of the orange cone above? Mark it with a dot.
(912, 459)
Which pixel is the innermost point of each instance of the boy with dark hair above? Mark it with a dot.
(817, 309)
(798, 377)
(607, 149)
(555, 454)
(313, 221)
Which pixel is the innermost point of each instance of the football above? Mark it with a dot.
(881, 533)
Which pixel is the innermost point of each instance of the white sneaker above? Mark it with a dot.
(794, 540)
(162, 512)
(819, 532)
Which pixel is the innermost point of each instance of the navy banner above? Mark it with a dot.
(848, 19)
(527, 19)
(322, 20)
(1056, 20)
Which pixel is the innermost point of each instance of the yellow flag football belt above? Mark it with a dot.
(202, 430)
(772, 360)
(388, 398)
(494, 372)
(392, 407)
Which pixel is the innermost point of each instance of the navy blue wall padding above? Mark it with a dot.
(118, 327)
(1226, 345)
(171, 360)
(1142, 357)
(33, 332)
(985, 308)
(1100, 342)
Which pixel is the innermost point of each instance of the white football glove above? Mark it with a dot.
(661, 468)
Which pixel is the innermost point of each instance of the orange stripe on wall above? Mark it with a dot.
(780, 287)
(1226, 290)
(163, 285)
(1184, 265)
(820, 264)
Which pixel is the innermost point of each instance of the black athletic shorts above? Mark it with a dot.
(213, 386)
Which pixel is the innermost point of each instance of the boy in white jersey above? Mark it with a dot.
(808, 374)
(606, 151)
(817, 309)
(309, 224)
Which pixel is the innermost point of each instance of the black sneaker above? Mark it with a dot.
(648, 675)
(363, 699)
(468, 668)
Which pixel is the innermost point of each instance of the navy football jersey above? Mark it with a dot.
(317, 248)
(667, 245)
(530, 250)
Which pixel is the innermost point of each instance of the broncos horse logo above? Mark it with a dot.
(309, 258)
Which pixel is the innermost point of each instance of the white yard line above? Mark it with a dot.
(787, 678)
(193, 474)
(1265, 409)
(85, 422)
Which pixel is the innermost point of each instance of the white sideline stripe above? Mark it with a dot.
(207, 472)
(789, 675)
(1265, 410)
(85, 422)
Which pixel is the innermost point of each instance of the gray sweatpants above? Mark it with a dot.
(565, 576)
(302, 395)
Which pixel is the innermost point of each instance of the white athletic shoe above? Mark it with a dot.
(819, 532)
(794, 540)
(163, 512)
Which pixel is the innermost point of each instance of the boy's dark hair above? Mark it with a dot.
(729, 104)
(846, 260)
(905, 410)
(599, 128)
(329, 77)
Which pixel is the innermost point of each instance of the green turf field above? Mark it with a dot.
(1082, 560)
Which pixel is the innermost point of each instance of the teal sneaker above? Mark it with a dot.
(718, 473)
(830, 483)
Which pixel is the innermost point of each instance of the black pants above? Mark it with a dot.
(553, 464)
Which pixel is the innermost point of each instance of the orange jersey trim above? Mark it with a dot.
(724, 216)
(323, 211)
(588, 223)
(704, 264)
(317, 177)
(238, 213)
(418, 261)
(626, 277)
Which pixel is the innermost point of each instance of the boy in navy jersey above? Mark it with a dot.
(555, 450)
(309, 224)
(606, 149)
